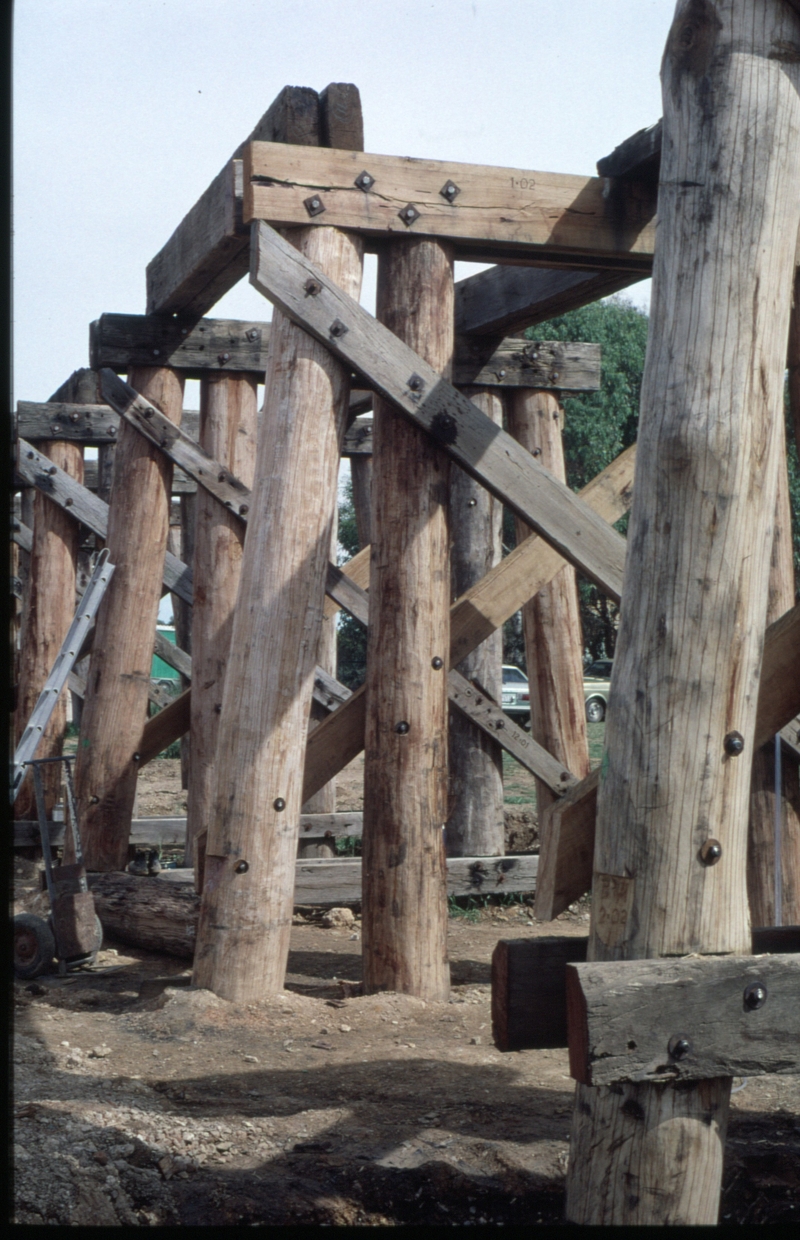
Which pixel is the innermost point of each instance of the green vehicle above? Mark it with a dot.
(160, 672)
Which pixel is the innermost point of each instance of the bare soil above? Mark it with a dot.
(139, 1101)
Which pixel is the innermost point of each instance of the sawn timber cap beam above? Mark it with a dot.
(196, 348)
(399, 374)
(486, 212)
(691, 1018)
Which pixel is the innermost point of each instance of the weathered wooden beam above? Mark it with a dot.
(22, 535)
(38, 471)
(508, 299)
(161, 914)
(529, 984)
(194, 346)
(171, 832)
(474, 616)
(690, 1019)
(638, 158)
(88, 424)
(207, 254)
(358, 438)
(549, 365)
(568, 833)
(401, 376)
(512, 213)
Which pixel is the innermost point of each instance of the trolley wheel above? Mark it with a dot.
(34, 945)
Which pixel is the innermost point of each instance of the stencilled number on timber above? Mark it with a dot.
(523, 183)
(614, 896)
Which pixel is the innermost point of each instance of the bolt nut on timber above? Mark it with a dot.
(733, 744)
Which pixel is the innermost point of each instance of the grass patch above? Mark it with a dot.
(469, 907)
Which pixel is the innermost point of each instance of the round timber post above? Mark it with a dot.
(551, 620)
(693, 609)
(115, 706)
(228, 418)
(475, 826)
(404, 897)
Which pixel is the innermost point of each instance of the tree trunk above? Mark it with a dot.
(551, 621)
(475, 825)
(115, 706)
(49, 610)
(405, 763)
(245, 921)
(182, 613)
(693, 610)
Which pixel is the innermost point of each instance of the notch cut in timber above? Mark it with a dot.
(400, 375)
(685, 1019)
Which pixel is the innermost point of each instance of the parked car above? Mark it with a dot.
(596, 686)
(516, 695)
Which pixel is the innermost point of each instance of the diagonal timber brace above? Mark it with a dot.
(400, 375)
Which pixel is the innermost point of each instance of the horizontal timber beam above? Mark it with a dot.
(568, 829)
(686, 1019)
(509, 299)
(171, 832)
(394, 370)
(486, 213)
(529, 984)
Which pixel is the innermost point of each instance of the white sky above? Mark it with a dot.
(124, 111)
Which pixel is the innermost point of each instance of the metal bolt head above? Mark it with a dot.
(436, 663)
(53, 469)
(69, 502)
(279, 804)
(416, 383)
(312, 287)
(364, 181)
(55, 429)
(409, 214)
(471, 503)
(710, 852)
(402, 727)
(755, 996)
(679, 1046)
(137, 757)
(242, 867)
(243, 509)
(337, 328)
(733, 744)
(253, 334)
(449, 191)
(73, 417)
(112, 430)
(94, 800)
(314, 205)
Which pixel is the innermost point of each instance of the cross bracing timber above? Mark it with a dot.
(490, 455)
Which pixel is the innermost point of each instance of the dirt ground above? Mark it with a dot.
(138, 1100)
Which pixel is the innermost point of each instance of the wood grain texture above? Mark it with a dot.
(688, 654)
(471, 439)
(228, 417)
(475, 823)
(341, 119)
(195, 346)
(624, 1014)
(529, 1000)
(509, 299)
(474, 617)
(404, 918)
(551, 619)
(207, 254)
(88, 509)
(543, 364)
(513, 212)
(361, 477)
(114, 709)
(88, 424)
(49, 607)
(770, 905)
(637, 158)
(243, 937)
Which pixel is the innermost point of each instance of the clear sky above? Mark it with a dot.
(124, 111)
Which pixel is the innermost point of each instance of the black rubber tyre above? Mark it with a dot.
(34, 945)
(595, 710)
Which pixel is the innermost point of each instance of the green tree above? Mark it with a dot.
(351, 637)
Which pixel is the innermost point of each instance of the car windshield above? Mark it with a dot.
(600, 669)
(513, 676)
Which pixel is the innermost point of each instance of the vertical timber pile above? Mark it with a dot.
(115, 706)
(182, 612)
(404, 897)
(341, 127)
(246, 910)
(770, 797)
(676, 771)
(475, 826)
(551, 620)
(50, 603)
(228, 416)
